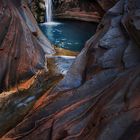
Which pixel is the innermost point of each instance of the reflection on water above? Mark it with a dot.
(70, 35)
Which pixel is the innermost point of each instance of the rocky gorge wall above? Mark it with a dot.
(22, 44)
(98, 99)
(78, 9)
(89, 10)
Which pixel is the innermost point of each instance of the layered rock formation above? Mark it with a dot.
(98, 99)
(22, 45)
(89, 10)
(78, 9)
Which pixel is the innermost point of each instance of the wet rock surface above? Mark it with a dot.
(98, 98)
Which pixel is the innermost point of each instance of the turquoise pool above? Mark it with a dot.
(70, 35)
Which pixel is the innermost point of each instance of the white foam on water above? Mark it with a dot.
(48, 4)
(51, 23)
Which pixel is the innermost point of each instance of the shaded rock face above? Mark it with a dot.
(89, 10)
(99, 98)
(71, 4)
(22, 45)
(106, 4)
(38, 9)
(78, 9)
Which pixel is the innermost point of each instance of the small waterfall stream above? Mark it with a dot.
(66, 34)
(48, 4)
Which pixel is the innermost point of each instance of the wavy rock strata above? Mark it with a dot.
(89, 10)
(78, 9)
(22, 45)
(99, 98)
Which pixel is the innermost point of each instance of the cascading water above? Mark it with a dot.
(70, 35)
(48, 4)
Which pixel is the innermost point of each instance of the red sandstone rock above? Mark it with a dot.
(21, 51)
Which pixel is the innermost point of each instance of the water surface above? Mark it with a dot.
(68, 34)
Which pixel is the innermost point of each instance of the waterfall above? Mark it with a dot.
(48, 4)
